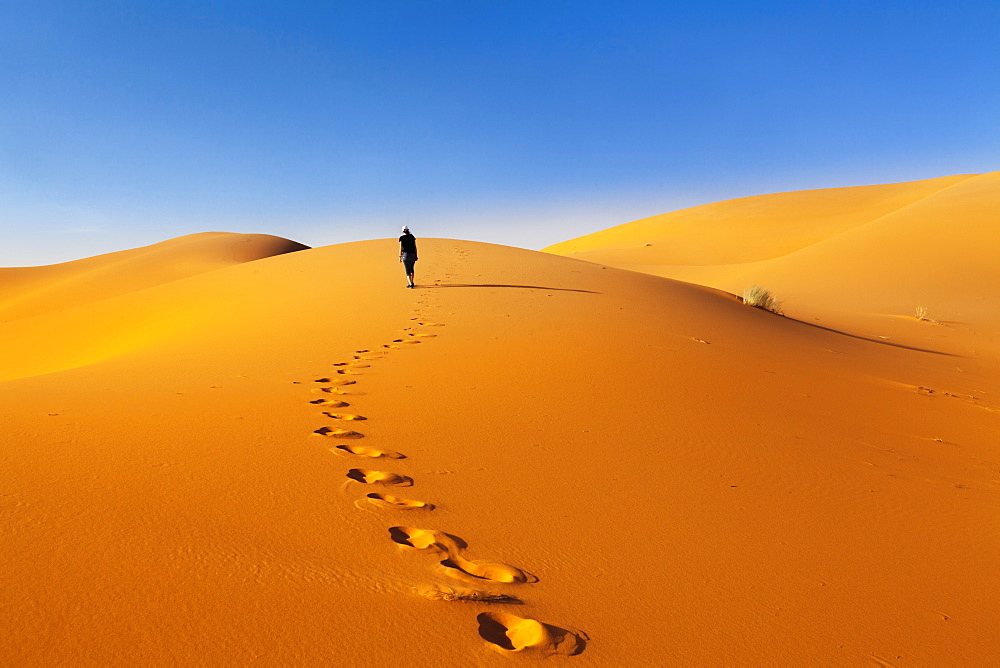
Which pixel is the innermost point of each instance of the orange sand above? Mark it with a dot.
(659, 474)
(859, 258)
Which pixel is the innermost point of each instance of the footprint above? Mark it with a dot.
(389, 501)
(510, 633)
(423, 539)
(338, 433)
(348, 372)
(364, 451)
(332, 403)
(345, 416)
(370, 477)
(485, 570)
(328, 390)
(337, 381)
(423, 336)
(451, 547)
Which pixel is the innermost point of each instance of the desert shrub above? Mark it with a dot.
(922, 315)
(759, 297)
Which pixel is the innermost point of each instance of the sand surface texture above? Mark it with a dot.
(295, 461)
(852, 257)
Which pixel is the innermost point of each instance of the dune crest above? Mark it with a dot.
(752, 229)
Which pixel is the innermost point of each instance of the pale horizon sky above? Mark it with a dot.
(525, 123)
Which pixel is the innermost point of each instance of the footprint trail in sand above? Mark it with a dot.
(505, 633)
(451, 548)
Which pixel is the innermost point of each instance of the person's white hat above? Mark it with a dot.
(405, 228)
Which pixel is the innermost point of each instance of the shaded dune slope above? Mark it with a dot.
(611, 468)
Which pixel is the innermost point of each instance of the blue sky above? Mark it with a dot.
(129, 122)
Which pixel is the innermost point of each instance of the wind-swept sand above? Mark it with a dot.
(855, 257)
(63, 316)
(295, 460)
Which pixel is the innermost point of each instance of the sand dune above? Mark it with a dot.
(67, 315)
(556, 460)
(28, 291)
(752, 229)
(854, 256)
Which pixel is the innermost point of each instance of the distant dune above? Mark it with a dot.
(841, 252)
(67, 315)
(28, 291)
(295, 461)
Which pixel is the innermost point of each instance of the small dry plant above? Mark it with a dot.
(759, 297)
(922, 315)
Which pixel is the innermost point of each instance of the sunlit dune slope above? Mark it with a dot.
(28, 291)
(751, 229)
(526, 456)
(59, 316)
(874, 249)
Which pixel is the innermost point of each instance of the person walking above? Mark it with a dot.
(408, 254)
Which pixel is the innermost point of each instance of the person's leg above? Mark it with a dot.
(408, 265)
